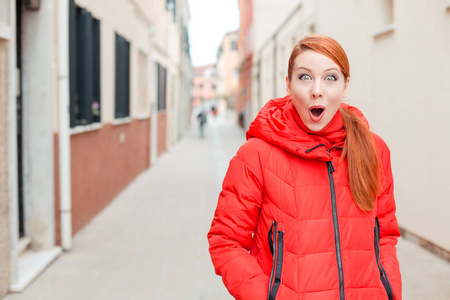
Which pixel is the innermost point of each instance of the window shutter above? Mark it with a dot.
(73, 63)
(95, 104)
(122, 77)
(85, 78)
(84, 64)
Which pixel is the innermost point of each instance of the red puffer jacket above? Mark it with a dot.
(286, 226)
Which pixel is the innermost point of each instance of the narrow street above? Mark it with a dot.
(150, 242)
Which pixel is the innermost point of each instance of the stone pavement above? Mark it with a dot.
(150, 242)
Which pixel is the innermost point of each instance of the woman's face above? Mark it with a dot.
(317, 87)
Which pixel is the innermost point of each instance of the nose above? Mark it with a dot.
(316, 90)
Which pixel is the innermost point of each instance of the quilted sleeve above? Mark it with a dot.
(389, 231)
(234, 223)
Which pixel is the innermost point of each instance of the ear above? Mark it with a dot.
(347, 82)
(288, 86)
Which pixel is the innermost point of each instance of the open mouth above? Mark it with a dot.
(316, 113)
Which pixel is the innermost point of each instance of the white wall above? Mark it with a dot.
(268, 15)
(38, 156)
(399, 62)
(399, 79)
(410, 104)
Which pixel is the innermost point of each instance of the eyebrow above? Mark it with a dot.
(330, 69)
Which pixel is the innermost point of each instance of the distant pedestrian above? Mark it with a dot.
(307, 209)
(201, 117)
(241, 119)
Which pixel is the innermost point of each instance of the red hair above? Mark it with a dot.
(359, 148)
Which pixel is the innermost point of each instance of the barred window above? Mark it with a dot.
(84, 66)
(122, 77)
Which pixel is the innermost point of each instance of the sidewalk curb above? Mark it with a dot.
(424, 243)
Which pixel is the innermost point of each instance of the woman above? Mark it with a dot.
(307, 209)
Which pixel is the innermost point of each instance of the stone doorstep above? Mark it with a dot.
(31, 265)
(424, 243)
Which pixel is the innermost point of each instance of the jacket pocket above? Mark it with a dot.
(275, 239)
(383, 276)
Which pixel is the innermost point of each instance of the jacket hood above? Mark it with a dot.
(279, 123)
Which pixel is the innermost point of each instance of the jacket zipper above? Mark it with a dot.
(276, 247)
(336, 230)
(383, 275)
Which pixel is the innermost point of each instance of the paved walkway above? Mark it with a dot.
(150, 242)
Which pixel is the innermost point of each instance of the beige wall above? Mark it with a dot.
(227, 68)
(4, 193)
(268, 15)
(409, 107)
(401, 83)
(399, 62)
(272, 56)
(204, 82)
(161, 30)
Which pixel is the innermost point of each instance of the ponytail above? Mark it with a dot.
(362, 161)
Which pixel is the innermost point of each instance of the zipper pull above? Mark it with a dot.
(330, 167)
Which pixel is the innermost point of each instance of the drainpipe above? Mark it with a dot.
(65, 201)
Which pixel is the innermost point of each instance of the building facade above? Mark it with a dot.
(227, 67)
(393, 41)
(204, 86)
(92, 93)
(6, 127)
(258, 20)
(245, 47)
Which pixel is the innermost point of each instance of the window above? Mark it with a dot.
(162, 77)
(84, 65)
(122, 77)
(233, 45)
(186, 40)
(219, 52)
(171, 5)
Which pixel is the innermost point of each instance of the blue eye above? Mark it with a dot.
(330, 78)
(304, 77)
